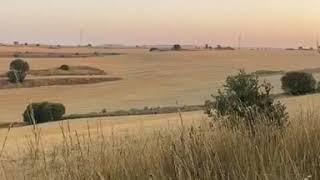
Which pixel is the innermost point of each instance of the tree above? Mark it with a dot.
(244, 101)
(298, 83)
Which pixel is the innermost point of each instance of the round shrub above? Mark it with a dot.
(19, 65)
(43, 112)
(153, 49)
(318, 87)
(244, 101)
(176, 47)
(18, 71)
(16, 76)
(298, 83)
(64, 67)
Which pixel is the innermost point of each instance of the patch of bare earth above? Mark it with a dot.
(58, 76)
(73, 71)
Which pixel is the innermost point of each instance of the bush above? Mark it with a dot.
(176, 47)
(64, 67)
(18, 71)
(298, 83)
(245, 101)
(43, 112)
(16, 76)
(318, 87)
(153, 49)
(19, 65)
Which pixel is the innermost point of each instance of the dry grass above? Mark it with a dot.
(186, 151)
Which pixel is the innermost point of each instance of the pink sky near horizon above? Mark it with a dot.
(272, 23)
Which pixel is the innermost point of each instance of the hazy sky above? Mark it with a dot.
(278, 23)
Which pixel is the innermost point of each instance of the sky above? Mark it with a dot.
(271, 23)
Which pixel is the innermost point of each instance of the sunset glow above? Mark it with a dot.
(262, 23)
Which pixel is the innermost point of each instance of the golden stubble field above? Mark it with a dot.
(149, 79)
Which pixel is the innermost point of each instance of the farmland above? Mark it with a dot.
(148, 78)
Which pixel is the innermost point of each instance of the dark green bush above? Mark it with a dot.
(43, 112)
(16, 76)
(64, 67)
(244, 101)
(153, 49)
(176, 47)
(19, 65)
(298, 83)
(318, 87)
(18, 71)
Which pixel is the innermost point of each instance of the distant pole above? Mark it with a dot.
(239, 41)
(81, 37)
(318, 46)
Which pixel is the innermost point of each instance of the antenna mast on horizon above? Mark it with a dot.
(81, 37)
(318, 46)
(239, 41)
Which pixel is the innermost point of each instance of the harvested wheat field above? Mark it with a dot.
(149, 78)
(172, 90)
(51, 140)
(20, 137)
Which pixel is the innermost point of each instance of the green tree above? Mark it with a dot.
(244, 100)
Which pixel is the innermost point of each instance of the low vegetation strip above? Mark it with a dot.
(54, 55)
(5, 84)
(281, 72)
(268, 72)
(148, 110)
(152, 110)
(135, 112)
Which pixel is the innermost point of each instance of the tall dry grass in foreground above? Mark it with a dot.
(201, 151)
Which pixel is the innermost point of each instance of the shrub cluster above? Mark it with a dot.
(298, 83)
(176, 47)
(43, 112)
(245, 101)
(64, 67)
(153, 49)
(18, 71)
